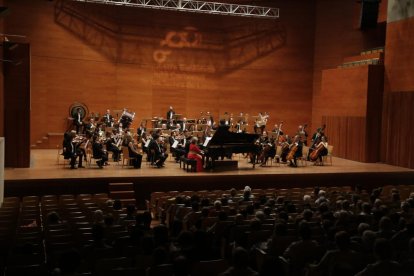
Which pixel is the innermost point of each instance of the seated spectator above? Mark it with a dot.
(384, 266)
(240, 262)
(302, 252)
(340, 261)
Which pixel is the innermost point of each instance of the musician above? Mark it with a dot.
(126, 119)
(71, 149)
(267, 150)
(133, 151)
(107, 119)
(111, 146)
(278, 130)
(285, 144)
(159, 151)
(322, 149)
(177, 145)
(77, 119)
(261, 122)
(98, 152)
(317, 135)
(90, 127)
(120, 129)
(141, 130)
(196, 153)
(184, 124)
(240, 126)
(296, 151)
(316, 139)
(145, 140)
(170, 117)
(209, 119)
(303, 134)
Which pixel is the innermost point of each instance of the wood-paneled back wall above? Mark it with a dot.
(146, 60)
(398, 123)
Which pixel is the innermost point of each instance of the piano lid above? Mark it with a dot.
(223, 136)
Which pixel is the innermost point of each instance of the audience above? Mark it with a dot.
(324, 232)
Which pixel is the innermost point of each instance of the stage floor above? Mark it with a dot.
(45, 176)
(44, 166)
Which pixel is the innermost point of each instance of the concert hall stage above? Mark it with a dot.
(45, 176)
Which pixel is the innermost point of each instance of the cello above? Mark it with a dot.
(293, 148)
(320, 148)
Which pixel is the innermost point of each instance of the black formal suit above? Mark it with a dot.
(141, 131)
(108, 120)
(77, 121)
(99, 153)
(111, 146)
(71, 151)
(159, 153)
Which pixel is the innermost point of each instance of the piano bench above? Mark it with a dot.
(188, 164)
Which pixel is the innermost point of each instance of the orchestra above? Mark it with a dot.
(184, 138)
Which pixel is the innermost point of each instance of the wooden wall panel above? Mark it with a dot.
(343, 93)
(399, 58)
(336, 37)
(398, 123)
(1, 80)
(353, 98)
(17, 104)
(115, 57)
(400, 126)
(347, 135)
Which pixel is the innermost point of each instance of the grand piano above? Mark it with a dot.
(225, 143)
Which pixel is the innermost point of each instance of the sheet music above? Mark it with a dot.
(207, 141)
(175, 144)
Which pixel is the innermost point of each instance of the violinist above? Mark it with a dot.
(295, 151)
(196, 154)
(320, 151)
(177, 145)
(145, 141)
(71, 149)
(111, 146)
(159, 151)
(133, 151)
(99, 152)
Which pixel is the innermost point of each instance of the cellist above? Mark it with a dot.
(295, 151)
(320, 151)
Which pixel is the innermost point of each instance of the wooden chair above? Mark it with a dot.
(329, 155)
(125, 156)
(278, 154)
(304, 158)
(207, 268)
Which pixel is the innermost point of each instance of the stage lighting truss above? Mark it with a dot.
(196, 6)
